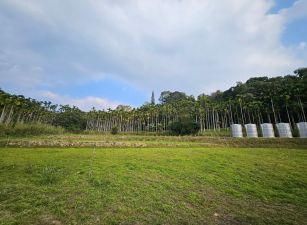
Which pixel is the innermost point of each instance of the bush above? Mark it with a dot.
(29, 129)
(72, 120)
(184, 127)
(114, 130)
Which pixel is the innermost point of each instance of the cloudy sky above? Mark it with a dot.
(107, 52)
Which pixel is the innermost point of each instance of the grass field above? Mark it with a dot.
(141, 140)
(165, 185)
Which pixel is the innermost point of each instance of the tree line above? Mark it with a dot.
(258, 100)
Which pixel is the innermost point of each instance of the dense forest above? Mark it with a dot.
(258, 100)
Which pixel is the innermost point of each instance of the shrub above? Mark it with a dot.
(29, 129)
(184, 127)
(114, 130)
(72, 120)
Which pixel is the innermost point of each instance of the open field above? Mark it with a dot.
(165, 185)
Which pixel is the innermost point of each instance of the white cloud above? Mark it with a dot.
(297, 11)
(188, 45)
(302, 45)
(85, 103)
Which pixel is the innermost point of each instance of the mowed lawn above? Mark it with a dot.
(153, 186)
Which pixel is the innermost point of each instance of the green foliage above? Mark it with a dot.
(72, 119)
(29, 129)
(124, 108)
(184, 127)
(258, 100)
(301, 72)
(168, 97)
(114, 130)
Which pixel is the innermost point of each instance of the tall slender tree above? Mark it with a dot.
(153, 101)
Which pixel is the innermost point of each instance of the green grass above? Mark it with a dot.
(24, 129)
(187, 185)
(132, 140)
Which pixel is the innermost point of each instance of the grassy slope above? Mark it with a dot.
(153, 186)
(132, 140)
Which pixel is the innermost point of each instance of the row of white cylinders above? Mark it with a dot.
(267, 129)
(302, 128)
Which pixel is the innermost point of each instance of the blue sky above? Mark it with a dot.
(105, 53)
(281, 4)
(296, 31)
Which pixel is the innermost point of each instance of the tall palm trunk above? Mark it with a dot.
(272, 104)
(302, 108)
(9, 118)
(289, 120)
(2, 115)
(242, 115)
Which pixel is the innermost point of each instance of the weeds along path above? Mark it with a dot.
(122, 141)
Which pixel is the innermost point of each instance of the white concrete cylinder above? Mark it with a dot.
(236, 130)
(267, 130)
(302, 128)
(251, 130)
(284, 130)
